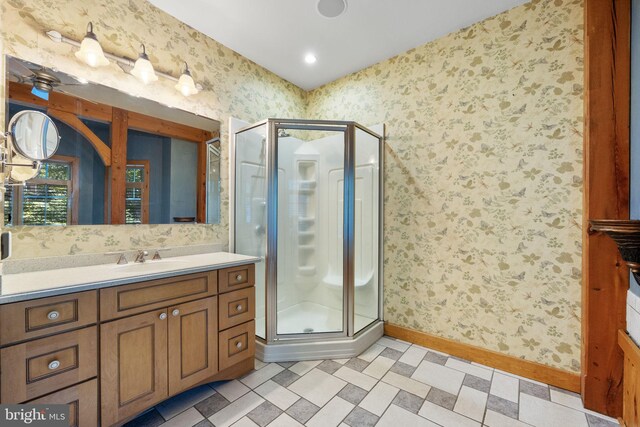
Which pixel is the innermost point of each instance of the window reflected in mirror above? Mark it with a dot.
(121, 159)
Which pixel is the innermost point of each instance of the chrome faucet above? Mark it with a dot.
(140, 256)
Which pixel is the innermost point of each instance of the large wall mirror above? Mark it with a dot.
(121, 159)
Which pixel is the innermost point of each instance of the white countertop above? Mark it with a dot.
(39, 284)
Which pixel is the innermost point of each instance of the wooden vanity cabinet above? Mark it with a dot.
(157, 338)
(82, 400)
(133, 370)
(192, 344)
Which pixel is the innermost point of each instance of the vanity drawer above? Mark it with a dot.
(120, 301)
(236, 307)
(237, 277)
(42, 366)
(82, 400)
(236, 344)
(26, 320)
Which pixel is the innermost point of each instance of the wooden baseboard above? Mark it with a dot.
(524, 368)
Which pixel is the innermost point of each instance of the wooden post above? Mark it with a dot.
(119, 127)
(606, 196)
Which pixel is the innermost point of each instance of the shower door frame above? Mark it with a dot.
(271, 251)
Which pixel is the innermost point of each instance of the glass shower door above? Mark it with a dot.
(310, 289)
(250, 210)
(366, 229)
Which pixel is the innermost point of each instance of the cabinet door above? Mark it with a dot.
(193, 343)
(133, 356)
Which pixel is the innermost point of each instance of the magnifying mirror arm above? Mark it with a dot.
(34, 164)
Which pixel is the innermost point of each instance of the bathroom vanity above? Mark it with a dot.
(112, 341)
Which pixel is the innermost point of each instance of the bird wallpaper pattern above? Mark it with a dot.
(483, 173)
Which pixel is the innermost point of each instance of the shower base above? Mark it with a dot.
(314, 319)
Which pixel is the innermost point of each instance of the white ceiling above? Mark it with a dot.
(277, 34)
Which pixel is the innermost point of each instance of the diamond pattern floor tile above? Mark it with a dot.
(393, 383)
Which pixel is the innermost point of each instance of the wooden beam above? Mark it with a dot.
(162, 127)
(72, 120)
(515, 365)
(91, 110)
(606, 196)
(119, 130)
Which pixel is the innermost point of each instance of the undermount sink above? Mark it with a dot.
(162, 264)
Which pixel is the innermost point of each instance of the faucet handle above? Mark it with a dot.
(122, 259)
(156, 256)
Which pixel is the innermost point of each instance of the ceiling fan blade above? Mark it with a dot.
(17, 67)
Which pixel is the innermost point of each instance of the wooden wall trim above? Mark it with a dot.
(606, 196)
(631, 401)
(524, 368)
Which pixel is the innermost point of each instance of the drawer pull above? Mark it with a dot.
(239, 307)
(53, 315)
(54, 365)
(239, 345)
(239, 277)
(175, 312)
(163, 316)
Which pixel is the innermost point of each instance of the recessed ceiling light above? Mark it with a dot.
(332, 8)
(310, 58)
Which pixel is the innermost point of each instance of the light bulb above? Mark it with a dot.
(185, 84)
(90, 51)
(143, 69)
(310, 58)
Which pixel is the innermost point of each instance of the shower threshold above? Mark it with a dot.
(319, 318)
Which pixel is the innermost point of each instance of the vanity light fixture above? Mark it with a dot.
(90, 50)
(185, 84)
(143, 70)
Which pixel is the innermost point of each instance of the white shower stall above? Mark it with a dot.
(319, 282)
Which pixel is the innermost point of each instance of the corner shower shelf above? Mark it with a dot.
(307, 186)
(307, 271)
(335, 280)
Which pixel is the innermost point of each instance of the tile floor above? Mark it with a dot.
(393, 383)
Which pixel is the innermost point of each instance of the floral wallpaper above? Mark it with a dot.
(483, 162)
(483, 180)
(233, 86)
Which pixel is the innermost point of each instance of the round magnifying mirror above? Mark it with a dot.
(34, 135)
(23, 173)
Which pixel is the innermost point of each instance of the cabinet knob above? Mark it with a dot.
(239, 277)
(163, 316)
(175, 312)
(55, 364)
(239, 307)
(53, 315)
(239, 345)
